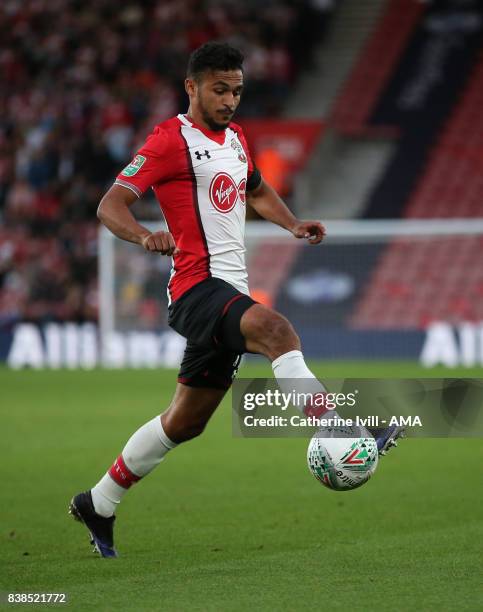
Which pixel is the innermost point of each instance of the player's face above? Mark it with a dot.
(216, 96)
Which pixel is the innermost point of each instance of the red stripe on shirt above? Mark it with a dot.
(192, 263)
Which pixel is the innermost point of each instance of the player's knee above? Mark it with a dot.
(278, 329)
(275, 331)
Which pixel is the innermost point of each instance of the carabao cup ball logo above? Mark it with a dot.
(223, 192)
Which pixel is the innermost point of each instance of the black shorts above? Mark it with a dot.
(208, 316)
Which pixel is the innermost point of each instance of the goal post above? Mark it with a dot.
(374, 289)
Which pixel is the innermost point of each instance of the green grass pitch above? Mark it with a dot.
(225, 523)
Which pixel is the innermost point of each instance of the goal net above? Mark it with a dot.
(403, 289)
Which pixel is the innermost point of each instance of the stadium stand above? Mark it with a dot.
(452, 184)
(77, 99)
(354, 105)
(75, 103)
(416, 283)
(436, 171)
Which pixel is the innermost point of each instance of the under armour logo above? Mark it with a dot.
(200, 155)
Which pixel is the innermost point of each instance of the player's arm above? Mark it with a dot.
(114, 212)
(269, 205)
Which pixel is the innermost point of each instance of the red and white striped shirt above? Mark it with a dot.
(200, 178)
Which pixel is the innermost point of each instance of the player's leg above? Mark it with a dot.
(269, 333)
(204, 377)
(186, 417)
(189, 412)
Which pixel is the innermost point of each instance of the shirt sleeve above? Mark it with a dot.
(148, 165)
(254, 178)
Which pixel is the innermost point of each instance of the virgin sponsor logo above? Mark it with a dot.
(224, 192)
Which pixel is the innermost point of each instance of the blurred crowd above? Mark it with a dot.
(82, 82)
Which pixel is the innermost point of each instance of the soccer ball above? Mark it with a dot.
(341, 463)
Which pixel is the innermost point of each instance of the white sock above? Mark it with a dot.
(144, 450)
(292, 374)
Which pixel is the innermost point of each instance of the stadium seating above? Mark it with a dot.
(442, 279)
(117, 70)
(372, 70)
(267, 273)
(417, 282)
(452, 183)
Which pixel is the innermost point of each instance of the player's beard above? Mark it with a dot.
(208, 119)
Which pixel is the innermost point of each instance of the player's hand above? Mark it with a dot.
(160, 242)
(313, 231)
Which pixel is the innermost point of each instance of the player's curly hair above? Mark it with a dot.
(214, 56)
